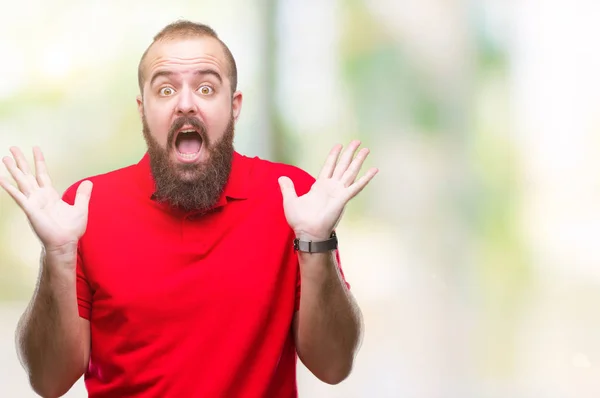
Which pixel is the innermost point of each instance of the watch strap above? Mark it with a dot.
(316, 247)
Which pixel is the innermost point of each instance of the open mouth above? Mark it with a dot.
(188, 144)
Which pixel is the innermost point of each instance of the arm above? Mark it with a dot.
(328, 325)
(53, 342)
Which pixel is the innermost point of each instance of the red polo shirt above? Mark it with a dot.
(187, 304)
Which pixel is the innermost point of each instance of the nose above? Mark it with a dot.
(185, 103)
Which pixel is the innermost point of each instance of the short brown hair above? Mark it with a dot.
(187, 29)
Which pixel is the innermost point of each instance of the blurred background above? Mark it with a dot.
(473, 253)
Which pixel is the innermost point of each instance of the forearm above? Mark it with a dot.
(329, 321)
(49, 336)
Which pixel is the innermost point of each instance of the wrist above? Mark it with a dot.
(66, 250)
(317, 236)
(60, 259)
(315, 244)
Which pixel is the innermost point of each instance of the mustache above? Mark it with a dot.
(189, 121)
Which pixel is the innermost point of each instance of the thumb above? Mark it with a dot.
(82, 197)
(287, 188)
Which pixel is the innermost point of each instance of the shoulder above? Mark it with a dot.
(102, 183)
(265, 173)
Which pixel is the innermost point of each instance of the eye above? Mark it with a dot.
(166, 91)
(205, 90)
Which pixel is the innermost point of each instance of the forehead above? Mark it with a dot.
(185, 52)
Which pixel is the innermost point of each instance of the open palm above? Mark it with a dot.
(56, 223)
(313, 216)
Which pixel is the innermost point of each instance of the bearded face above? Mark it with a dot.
(188, 113)
(194, 185)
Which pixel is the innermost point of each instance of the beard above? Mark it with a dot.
(190, 187)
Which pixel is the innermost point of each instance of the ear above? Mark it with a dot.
(140, 104)
(236, 105)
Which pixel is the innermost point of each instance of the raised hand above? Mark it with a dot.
(314, 216)
(57, 224)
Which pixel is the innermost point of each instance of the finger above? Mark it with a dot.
(354, 168)
(82, 197)
(361, 183)
(329, 166)
(41, 172)
(345, 159)
(287, 189)
(20, 159)
(22, 182)
(23, 165)
(14, 193)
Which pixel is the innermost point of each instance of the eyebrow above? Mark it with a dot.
(201, 72)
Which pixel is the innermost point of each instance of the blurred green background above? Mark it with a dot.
(473, 253)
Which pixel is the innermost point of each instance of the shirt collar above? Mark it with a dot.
(235, 188)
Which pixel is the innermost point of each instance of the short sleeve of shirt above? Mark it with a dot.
(303, 182)
(84, 294)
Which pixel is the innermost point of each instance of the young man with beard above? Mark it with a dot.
(197, 272)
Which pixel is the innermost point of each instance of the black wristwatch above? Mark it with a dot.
(316, 247)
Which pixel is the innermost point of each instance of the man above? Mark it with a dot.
(197, 272)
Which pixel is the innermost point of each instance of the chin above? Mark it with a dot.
(187, 171)
(188, 177)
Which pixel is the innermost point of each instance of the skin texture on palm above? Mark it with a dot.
(315, 215)
(57, 224)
